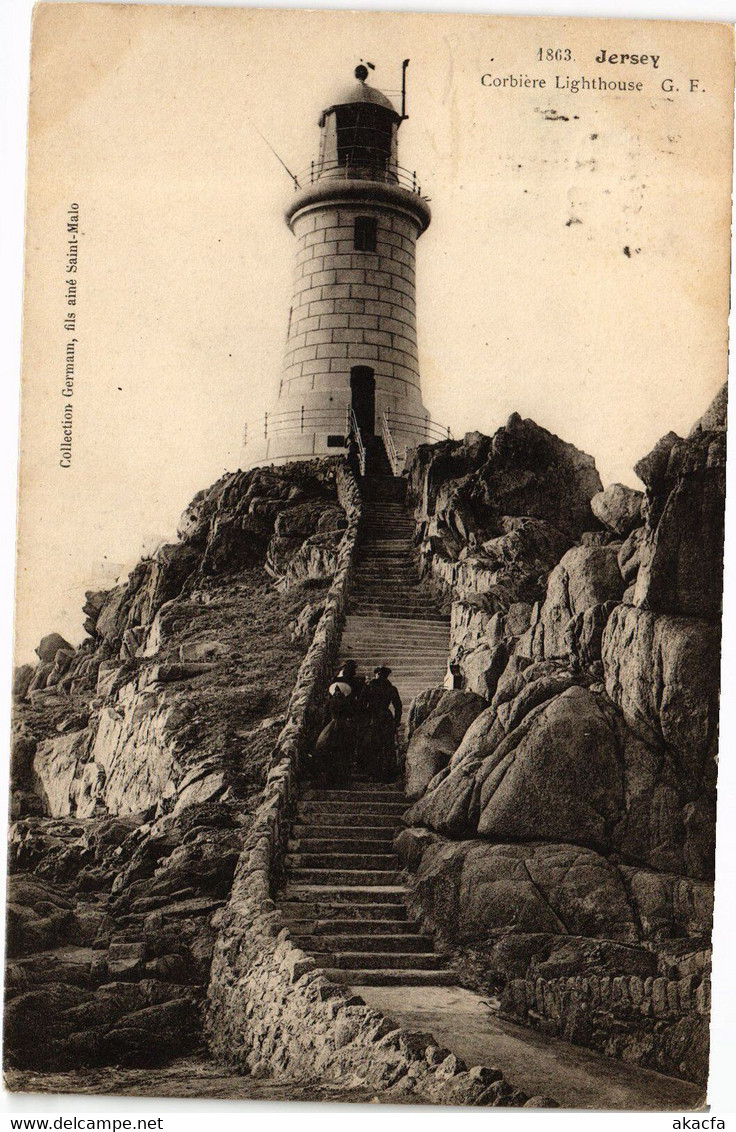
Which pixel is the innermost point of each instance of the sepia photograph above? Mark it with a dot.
(372, 476)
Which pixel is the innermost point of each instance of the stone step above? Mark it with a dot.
(435, 668)
(397, 552)
(409, 664)
(393, 533)
(396, 538)
(342, 846)
(392, 574)
(365, 927)
(370, 503)
(392, 599)
(403, 642)
(390, 978)
(346, 878)
(392, 578)
(387, 524)
(415, 627)
(394, 612)
(336, 893)
(408, 620)
(387, 612)
(388, 862)
(387, 527)
(352, 943)
(383, 540)
(376, 622)
(396, 960)
(398, 560)
(403, 667)
(348, 793)
(420, 635)
(331, 819)
(405, 565)
(383, 573)
(394, 609)
(410, 643)
(359, 809)
(368, 834)
(387, 571)
(412, 606)
(362, 913)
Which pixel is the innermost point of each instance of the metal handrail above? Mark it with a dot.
(393, 425)
(387, 173)
(388, 444)
(413, 423)
(301, 420)
(354, 431)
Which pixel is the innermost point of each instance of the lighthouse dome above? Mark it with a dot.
(360, 92)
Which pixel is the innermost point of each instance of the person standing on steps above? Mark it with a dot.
(334, 751)
(383, 708)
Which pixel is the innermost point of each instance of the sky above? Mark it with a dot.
(575, 271)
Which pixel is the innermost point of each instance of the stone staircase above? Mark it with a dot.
(345, 900)
(392, 619)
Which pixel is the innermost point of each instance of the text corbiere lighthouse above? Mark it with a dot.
(350, 364)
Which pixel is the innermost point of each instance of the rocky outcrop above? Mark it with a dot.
(136, 774)
(681, 569)
(435, 740)
(569, 624)
(470, 485)
(580, 802)
(618, 508)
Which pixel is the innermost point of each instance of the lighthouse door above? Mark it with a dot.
(363, 399)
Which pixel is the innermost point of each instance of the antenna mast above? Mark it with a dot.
(273, 151)
(404, 114)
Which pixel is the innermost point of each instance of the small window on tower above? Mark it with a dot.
(365, 233)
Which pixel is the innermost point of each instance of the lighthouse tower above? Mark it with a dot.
(350, 364)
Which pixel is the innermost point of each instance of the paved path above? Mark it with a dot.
(577, 1078)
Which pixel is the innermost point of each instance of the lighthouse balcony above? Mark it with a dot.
(379, 184)
(386, 173)
(303, 433)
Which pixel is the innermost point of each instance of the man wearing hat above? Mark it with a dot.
(382, 705)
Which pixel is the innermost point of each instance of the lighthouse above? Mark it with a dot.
(351, 370)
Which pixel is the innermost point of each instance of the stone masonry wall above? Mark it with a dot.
(658, 1022)
(352, 307)
(270, 1010)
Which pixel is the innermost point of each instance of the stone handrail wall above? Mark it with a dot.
(270, 1010)
(665, 1021)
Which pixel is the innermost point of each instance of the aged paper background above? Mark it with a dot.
(112, 505)
(576, 269)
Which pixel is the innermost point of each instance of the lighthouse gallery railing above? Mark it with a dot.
(399, 431)
(386, 174)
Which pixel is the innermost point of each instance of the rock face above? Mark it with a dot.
(522, 470)
(435, 740)
(138, 760)
(577, 810)
(681, 568)
(618, 508)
